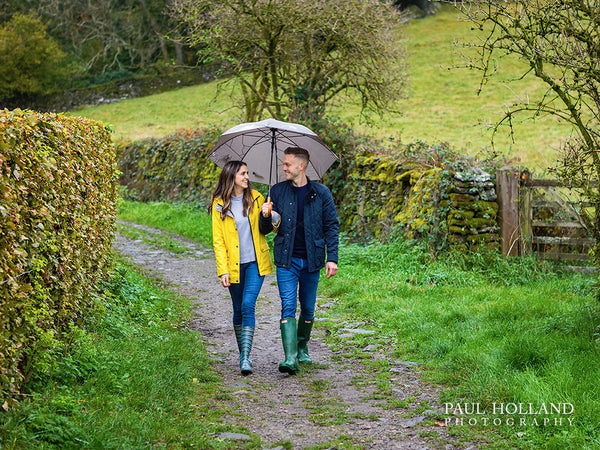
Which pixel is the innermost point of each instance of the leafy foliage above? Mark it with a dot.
(58, 191)
(109, 39)
(31, 59)
(175, 167)
(131, 376)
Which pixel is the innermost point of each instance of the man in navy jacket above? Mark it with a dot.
(307, 237)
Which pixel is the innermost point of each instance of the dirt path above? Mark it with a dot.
(332, 404)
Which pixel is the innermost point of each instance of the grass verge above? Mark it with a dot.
(190, 221)
(500, 333)
(134, 376)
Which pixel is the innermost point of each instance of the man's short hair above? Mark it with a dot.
(298, 152)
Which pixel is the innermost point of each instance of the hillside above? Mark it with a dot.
(441, 103)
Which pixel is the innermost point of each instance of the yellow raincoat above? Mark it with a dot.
(226, 240)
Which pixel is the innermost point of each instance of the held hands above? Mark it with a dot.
(266, 209)
(225, 280)
(331, 269)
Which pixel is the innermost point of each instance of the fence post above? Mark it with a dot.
(507, 188)
(525, 213)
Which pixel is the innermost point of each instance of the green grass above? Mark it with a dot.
(441, 104)
(191, 221)
(133, 377)
(195, 107)
(492, 330)
(155, 240)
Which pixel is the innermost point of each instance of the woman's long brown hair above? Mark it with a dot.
(224, 189)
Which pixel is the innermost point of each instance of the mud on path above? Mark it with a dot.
(334, 403)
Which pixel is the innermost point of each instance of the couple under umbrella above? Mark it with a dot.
(301, 213)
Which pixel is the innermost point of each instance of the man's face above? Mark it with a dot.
(293, 167)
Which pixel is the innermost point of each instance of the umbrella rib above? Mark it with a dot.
(261, 140)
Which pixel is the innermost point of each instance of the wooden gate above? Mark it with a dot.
(536, 218)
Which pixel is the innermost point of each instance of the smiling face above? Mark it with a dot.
(294, 169)
(241, 180)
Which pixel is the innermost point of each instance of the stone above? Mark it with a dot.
(475, 174)
(358, 331)
(370, 348)
(459, 199)
(346, 335)
(458, 230)
(409, 423)
(234, 436)
(407, 363)
(355, 324)
(461, 214)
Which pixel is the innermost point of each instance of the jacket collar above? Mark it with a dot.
(219, 208)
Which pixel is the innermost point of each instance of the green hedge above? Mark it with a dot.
(57, 213)
(378, 187)
(173, 168)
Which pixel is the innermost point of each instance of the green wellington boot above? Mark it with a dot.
(246, 344)
(238, 336)
(304, 329)
(290, 345)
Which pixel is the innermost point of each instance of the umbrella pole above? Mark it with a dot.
(273, 152)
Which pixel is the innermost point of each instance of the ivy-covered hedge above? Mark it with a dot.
(377, 188)
(173, 168)
(410, 188)
(57, 213)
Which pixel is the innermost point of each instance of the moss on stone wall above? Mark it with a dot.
(426, 191)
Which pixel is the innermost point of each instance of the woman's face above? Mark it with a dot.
(241, 178)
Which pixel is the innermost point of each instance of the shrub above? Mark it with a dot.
(31, 59)
(377, 188)
(57, 212)
(175, 167)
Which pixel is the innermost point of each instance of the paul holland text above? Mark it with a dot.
(512, 414)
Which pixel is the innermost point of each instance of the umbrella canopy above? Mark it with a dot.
(261, 145)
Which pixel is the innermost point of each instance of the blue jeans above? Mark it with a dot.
(297, 283)
(245, 293)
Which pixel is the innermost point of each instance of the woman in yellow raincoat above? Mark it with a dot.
(241, 250)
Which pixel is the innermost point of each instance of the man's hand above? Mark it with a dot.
(225, 280)
(266, 209)
(331, 269)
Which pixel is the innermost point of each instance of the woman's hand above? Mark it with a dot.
(225, 280)
(266, 209)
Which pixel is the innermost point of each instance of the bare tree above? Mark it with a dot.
(108, 35)
(560, 42)
(291, 55)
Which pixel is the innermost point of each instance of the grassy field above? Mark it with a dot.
(493, 330)
(441, 104)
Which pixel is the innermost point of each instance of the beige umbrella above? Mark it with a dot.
(261, 145)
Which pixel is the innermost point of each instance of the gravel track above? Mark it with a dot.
(329, 403)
